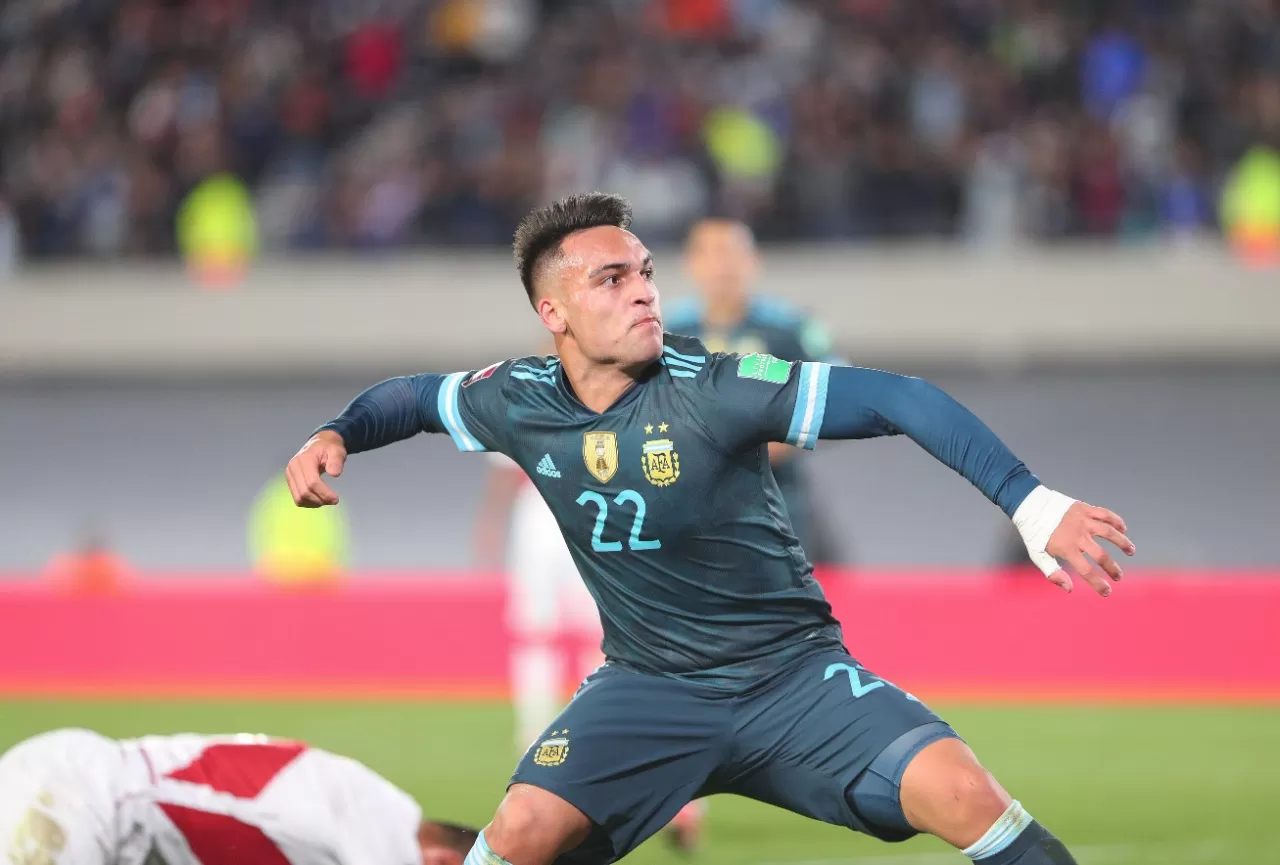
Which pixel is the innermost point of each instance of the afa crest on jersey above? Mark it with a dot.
(600, 453)
(553, 751)
(660, 461)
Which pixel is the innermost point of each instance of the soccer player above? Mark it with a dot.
(73, 797)
(548, 605)
(721, 258)
(549, 611)
(726, 672)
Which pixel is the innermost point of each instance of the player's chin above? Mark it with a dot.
(645, 340)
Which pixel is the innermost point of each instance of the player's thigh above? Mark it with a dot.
(804, 740)
(56, 803)
(628, 751)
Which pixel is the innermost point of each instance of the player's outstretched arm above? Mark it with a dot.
(388, 412)
(866, 403)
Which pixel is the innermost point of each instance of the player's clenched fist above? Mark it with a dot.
(324, 454)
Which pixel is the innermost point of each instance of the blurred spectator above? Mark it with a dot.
(92, 567)
(1251, 206)
(1111, 70)
(217, 229)
(10, 241)
(389, 123)
(295, 546)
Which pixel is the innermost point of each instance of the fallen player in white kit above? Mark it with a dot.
(73, 797)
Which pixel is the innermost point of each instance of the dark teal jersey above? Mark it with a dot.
(769, 326)
(667, 500)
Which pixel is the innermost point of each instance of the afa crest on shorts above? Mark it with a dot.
(600, 453)
(660, 461)
(553, 751)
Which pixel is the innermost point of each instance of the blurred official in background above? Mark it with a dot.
(721, 259)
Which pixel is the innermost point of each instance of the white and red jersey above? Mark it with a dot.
(211, 800)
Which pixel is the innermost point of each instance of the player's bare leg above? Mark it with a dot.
(532, 827)
(946, 792)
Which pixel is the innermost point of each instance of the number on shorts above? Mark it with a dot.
(856, 684)
(855, 679)
(635, 542)
(37, 840)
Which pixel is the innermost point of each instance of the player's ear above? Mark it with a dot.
(551, 314)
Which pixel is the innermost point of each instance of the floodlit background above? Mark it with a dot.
(220, 219)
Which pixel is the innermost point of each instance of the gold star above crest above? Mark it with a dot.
(648, 429)
(662, 428)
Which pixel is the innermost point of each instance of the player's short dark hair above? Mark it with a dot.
(453, 835)
(540, 233)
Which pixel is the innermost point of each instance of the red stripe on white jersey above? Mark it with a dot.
(241, 770)
(217, 839)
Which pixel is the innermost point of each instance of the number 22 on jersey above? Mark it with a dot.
(634, 542)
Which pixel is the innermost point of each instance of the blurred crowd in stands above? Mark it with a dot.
(371, 124)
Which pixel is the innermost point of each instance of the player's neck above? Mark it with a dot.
(597, 386)
(725, 313)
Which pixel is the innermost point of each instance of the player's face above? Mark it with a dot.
(603, 296)
(721, 259)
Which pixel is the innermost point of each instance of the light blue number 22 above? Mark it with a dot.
(856, 685)
(625, 497)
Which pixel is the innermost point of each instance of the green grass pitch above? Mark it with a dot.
(1172, 785)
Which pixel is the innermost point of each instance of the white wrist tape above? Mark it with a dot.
(1037, 518)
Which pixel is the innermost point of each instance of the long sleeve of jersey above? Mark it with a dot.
(867, 403)
(390, 411)
(400, 408)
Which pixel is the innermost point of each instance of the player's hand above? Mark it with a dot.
(1076, 539)
(324, 454)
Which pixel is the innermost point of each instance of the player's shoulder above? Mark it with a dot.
(514, 372)
(685, 357)
(688, 362)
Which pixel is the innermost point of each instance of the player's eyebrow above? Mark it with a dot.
(619, 265)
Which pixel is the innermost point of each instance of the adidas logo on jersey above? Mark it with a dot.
(547, 468)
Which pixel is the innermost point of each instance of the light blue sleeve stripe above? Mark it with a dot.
(685, 363)
(533, 370)
(686, 357)
(802, 405)
(814, 428)
(451, 414)
(527, 376)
